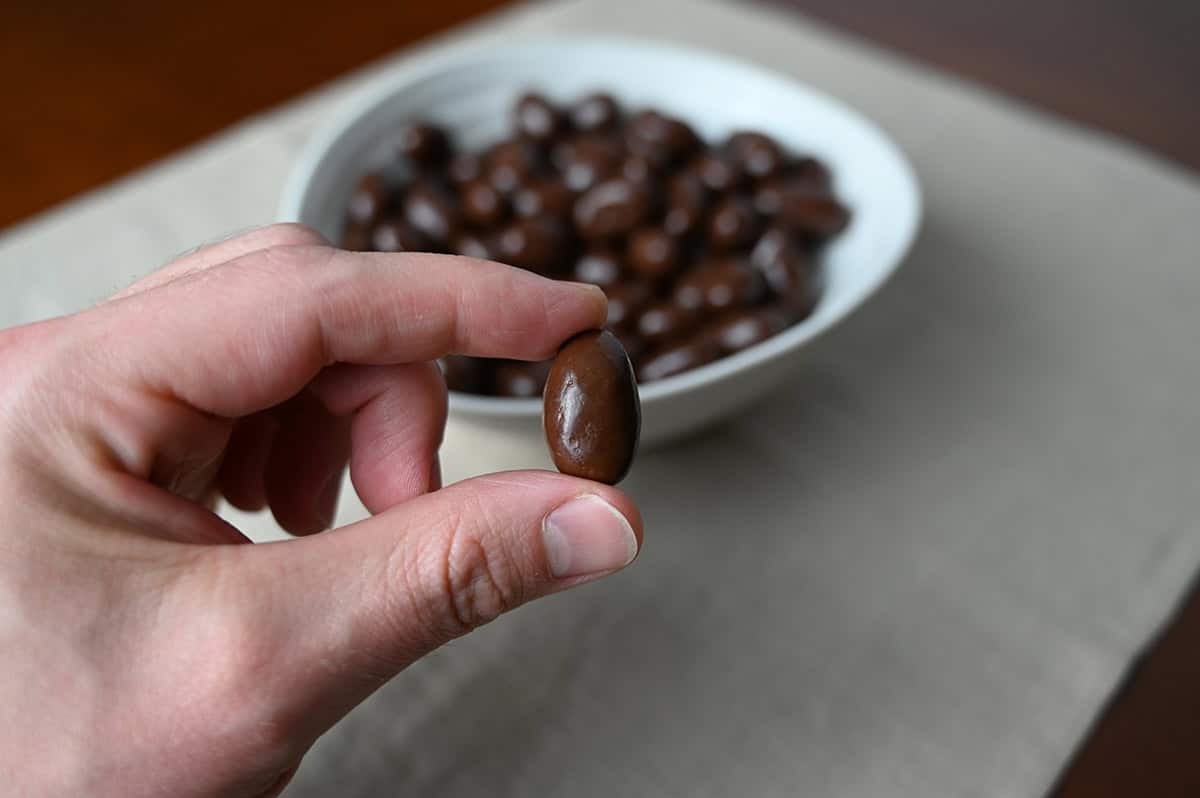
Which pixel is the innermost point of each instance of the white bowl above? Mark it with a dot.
(471, 95)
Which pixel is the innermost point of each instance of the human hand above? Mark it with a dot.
(148, 649)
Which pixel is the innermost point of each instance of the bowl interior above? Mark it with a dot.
(472, 95)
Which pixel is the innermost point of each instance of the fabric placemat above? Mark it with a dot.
(918, 570)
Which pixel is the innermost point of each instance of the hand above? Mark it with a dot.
(148, 650)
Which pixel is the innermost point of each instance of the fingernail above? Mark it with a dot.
(587, 535)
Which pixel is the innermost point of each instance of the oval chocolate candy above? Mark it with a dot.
(614, 207)
(423, 144)
(591, 412)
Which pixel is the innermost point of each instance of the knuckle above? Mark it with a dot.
(476, 581)
(476, 587)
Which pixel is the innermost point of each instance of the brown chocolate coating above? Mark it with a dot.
(536, 118)
(591, 414)
(598, 267)
(687, 198)
(771, 194)
(538, 244)
(368, 200)
(464, 167)
(432, 211)
(666, 321)
(424, 144)
(810, 172)
(637, 169)
(744, 328)
(482, 204)
(356, 238)
(595, 112)
(702, 250)
(635, 345)
(549, 196)
(626, 300)
(720, 285)
(473, 245)
(511, 165)
(733, 224)
(814, 213)
(795, 288)
(718, 172)
(661, 139)
(586, 160)
(773, 245)
(788, 269)
(758, 155)
(653, 253)
(397, 235)
(612, 208)
(677, 358)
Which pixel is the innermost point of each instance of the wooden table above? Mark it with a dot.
(94, 90)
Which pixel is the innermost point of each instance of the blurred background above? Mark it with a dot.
(94, 90)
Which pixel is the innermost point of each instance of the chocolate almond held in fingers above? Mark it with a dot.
(591, 411)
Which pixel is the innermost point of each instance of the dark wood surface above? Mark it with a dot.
(92, 90)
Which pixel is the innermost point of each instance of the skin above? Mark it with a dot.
(149, 648)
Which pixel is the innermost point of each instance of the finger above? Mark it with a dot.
(241, 479)
(275, 235)
(381, 593)
(399, 416)
(260, 327)
(303, 476)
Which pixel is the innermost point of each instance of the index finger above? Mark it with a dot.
(244, 336)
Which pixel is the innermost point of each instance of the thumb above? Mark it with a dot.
(350, 608)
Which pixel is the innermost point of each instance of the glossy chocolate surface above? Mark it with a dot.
(591, 411)
(423, 144)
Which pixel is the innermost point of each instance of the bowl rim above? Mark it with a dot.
(380, 89)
